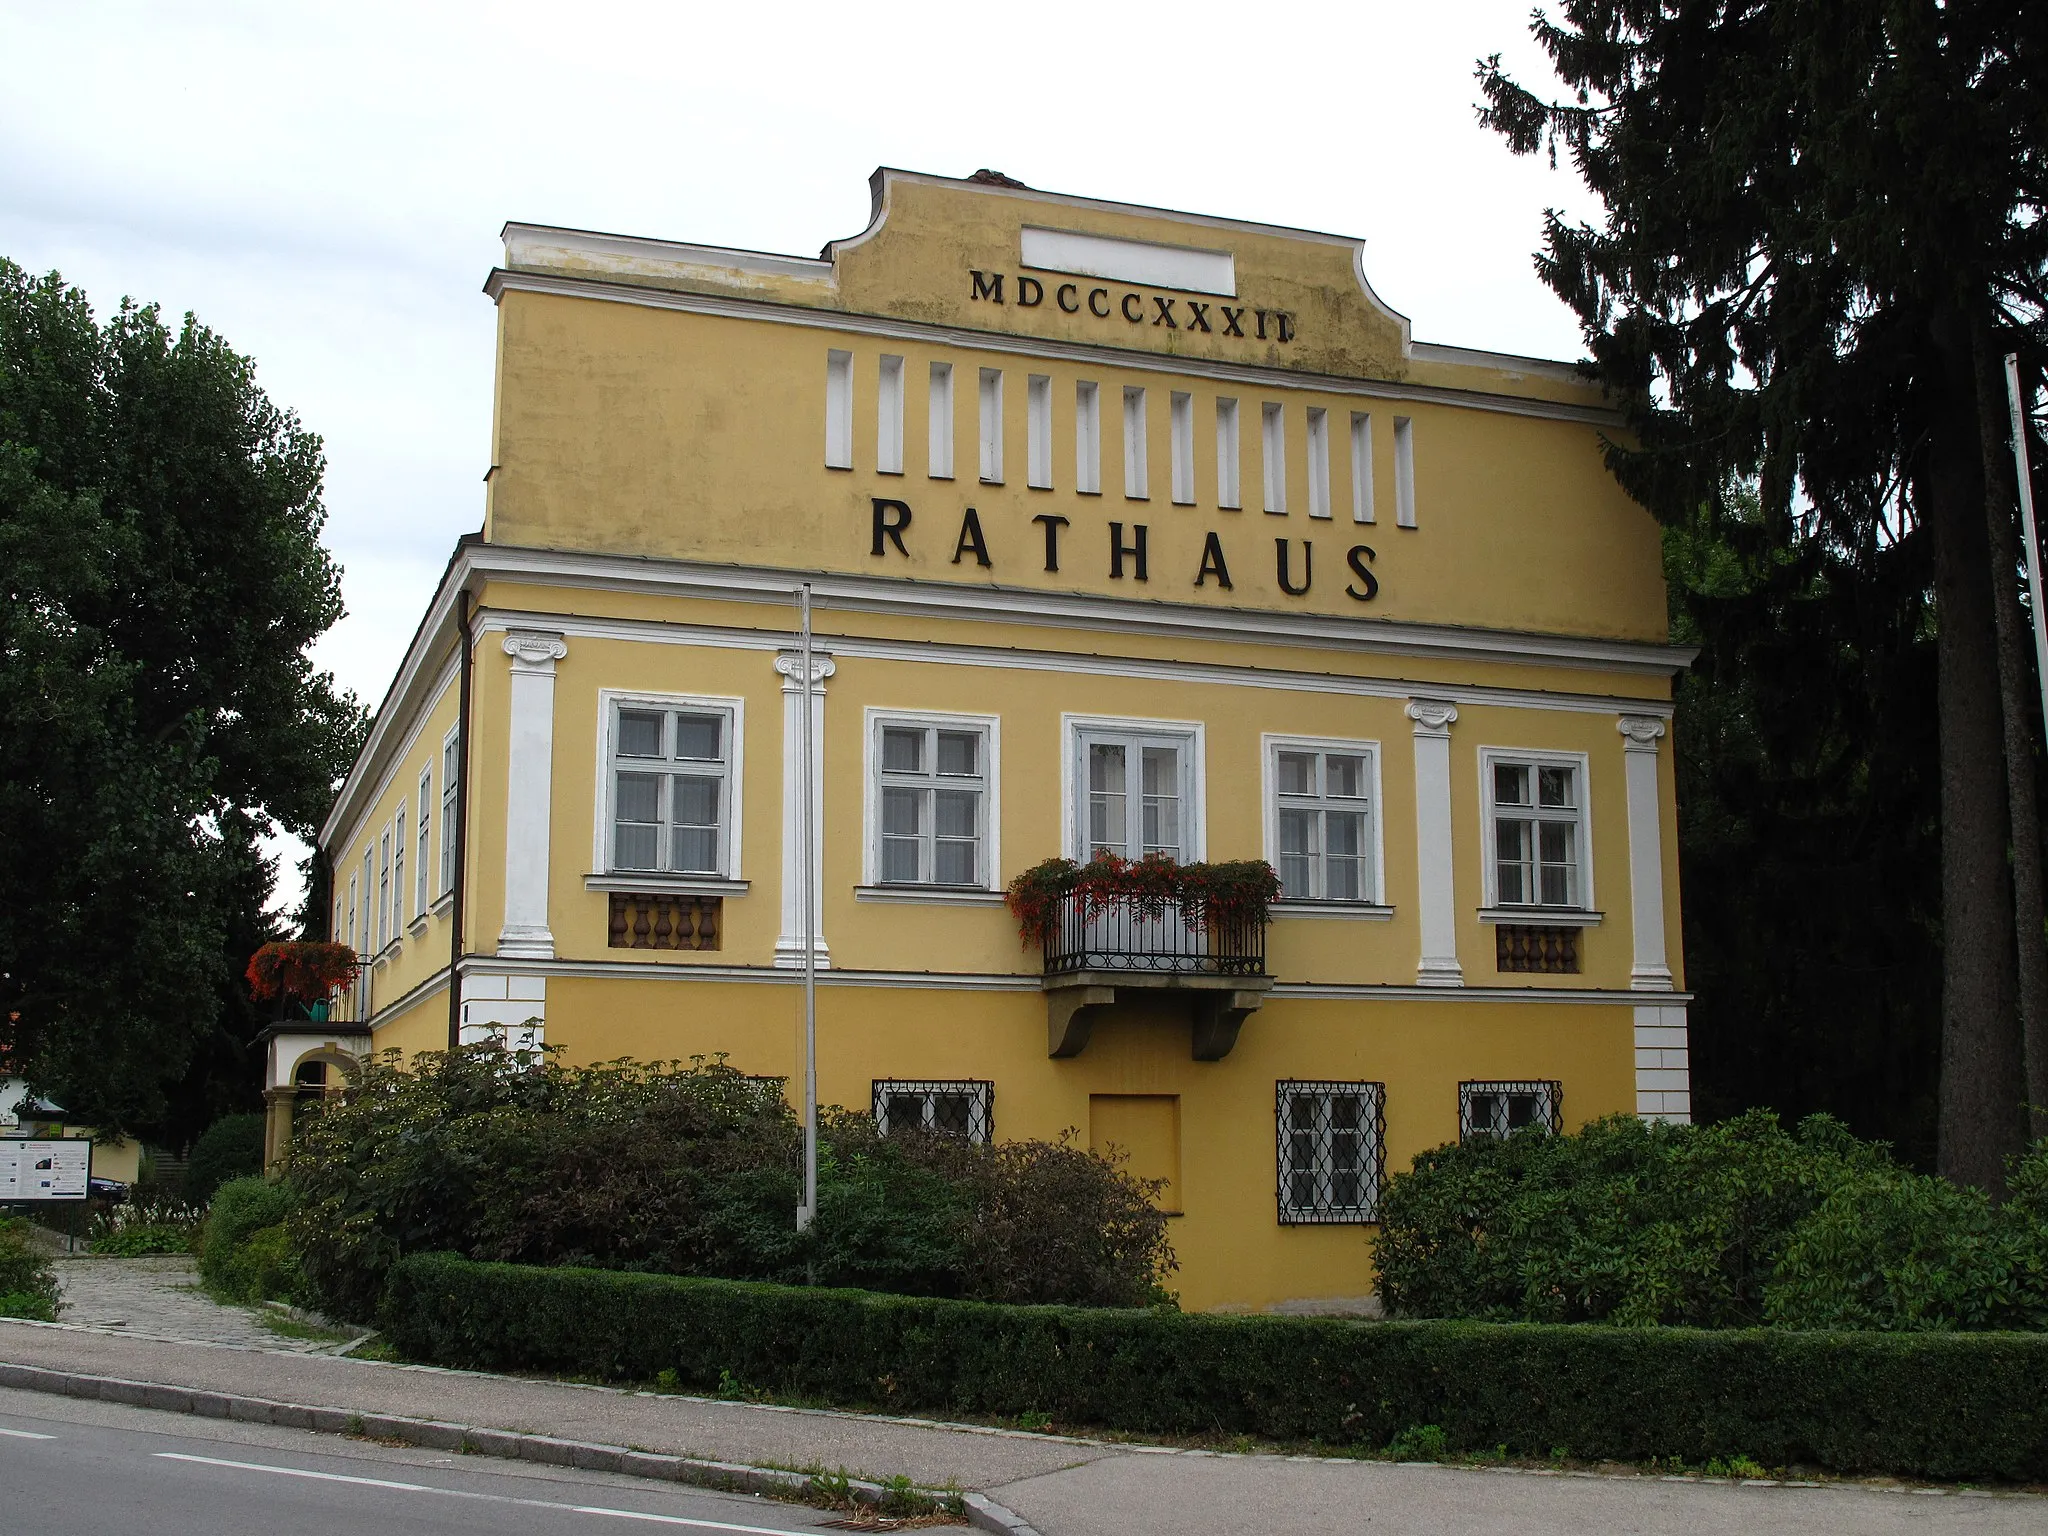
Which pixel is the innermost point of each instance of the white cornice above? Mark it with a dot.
(566, 285)
(896, 597)
(542, 245)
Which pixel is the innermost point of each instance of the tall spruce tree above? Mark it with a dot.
(161, 577)
(1822, 221)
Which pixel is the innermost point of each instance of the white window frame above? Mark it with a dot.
(980, 1091)
(1181, 435)
(383, 849)
(1273, 455)
(1229, 490)
(990, 728)
(1272, 746)
(838, 408)
(609, 703)
(1489, 873)
(451, 788)
(1038, 431)
(1087, 437)
(1318, 438)
(1367, 1212)
(1190, 735)
(989, 414)
(889, 415)
(401, 834)
(1137, 429)
(938, 452)
(366, 933)
(423, 851)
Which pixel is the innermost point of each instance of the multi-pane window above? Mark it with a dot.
(671, 785)
(400, 828)
(384, 889)
(934, 804)
(1323, 823)
(1137, 797)
(965, 1109)
(1538, 828)
(366, 930)
(1498, 1109)
(448, 792)
(1331, 1150)
(419, 871)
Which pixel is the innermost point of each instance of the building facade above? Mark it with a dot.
(1126, 529)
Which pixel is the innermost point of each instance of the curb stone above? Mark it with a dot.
(470, 1440)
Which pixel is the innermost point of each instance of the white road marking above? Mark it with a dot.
(22, 1434)
(461, 1493)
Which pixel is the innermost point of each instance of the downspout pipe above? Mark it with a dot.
(466, 666)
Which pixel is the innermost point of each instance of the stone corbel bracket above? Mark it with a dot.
(1218, 1006)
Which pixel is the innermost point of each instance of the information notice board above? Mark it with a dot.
(45, 1170)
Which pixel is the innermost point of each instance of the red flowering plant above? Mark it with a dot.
(300, 972)
(1215, 895)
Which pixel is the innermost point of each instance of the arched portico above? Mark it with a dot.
(303, 1063)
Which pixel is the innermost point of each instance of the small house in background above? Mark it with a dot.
(116, 1158)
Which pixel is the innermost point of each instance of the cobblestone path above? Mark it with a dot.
(160, 1298)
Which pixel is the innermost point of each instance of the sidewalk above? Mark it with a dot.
(1064, 1487)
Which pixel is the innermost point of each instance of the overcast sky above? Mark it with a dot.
(324, 184)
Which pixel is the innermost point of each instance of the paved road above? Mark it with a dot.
(89, 1469)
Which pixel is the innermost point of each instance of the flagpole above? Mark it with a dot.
(2026, 478)
(807, 834)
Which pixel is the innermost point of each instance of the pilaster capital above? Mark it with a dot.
(791, 665)
(535, 650)
(1432, 717)
(1640, 732)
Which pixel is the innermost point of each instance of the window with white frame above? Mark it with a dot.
(1322, 820)
(956, 1108)
(1537, 825)
(364, 930)
(932, 795)
(1135, 794)
(384, 889)
(669, 768)
(401, 829)
(1332, 1151)
(424, 842)
(1500, 1109)
(449, 762)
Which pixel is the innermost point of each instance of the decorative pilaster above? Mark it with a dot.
(529, 789)
(1435, 898)
(1651, 971)
(789, 948)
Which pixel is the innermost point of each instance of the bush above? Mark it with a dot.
(263, 1267)
(230, 1148)
(28, 1280)
(137, 1239)
(1936, 1405)
(241, 1209)
(692, 1169)
(1722, 1226)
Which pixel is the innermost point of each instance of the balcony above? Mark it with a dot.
(1105, 948)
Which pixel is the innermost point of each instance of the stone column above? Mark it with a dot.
(1435, 897)
(789, 948)
(530, 761)
(1651, 971)
(277, 1128)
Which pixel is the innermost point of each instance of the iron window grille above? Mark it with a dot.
(1488, 1110)
(1332, 1151)
(946, 1108)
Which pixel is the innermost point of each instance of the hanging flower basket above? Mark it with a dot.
(300, 972)
(1219, 895)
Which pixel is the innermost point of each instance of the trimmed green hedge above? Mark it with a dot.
(1932, 1404)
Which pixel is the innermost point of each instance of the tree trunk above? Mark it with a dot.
(1980, 1065)
(2022, 720)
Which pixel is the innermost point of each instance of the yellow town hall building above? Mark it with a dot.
(1127, 530)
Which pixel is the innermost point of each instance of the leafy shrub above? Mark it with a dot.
(28, 1280)
(1721, 1226)
(241, 1208)
(137, 1239)
(230, 1148)
(1945, 1405)
(262, 1267)
(693, 1169)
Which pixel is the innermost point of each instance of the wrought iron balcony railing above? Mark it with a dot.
(1121, 934)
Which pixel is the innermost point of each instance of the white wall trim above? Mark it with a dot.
(608, 702)
(395, 764)
(1651, 970)
(1195, 732)
(789, 946)
(1435, 846)
(1271, 744)
(873, 717)
(529, 790)
(1663, 1061)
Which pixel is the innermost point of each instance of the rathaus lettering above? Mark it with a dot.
(1130, 307)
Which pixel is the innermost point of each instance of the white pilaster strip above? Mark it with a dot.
(1663, 1064)
(1435, 898)
(1652, 970)
(528, 792)
(789, 948)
